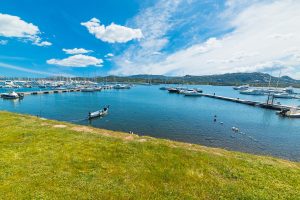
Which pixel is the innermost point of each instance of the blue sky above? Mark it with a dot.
(172, 37)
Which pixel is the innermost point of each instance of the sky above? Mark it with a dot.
(40, 38)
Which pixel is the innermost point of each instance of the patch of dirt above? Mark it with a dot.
(59, 126)
(129, 137)
(83, 129)
(45, 124)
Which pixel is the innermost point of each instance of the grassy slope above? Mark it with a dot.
(43, 159)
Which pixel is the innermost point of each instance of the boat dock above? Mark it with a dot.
(48, 91)
(249, 102)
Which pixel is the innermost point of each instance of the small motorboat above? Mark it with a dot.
(10, 95)
(178, 90)
(173, 90)
(199, 90)
(241, 87)
(163, 88)
(99, 113)
(98, 89)
(292, 113)
(121, 86)
(192, 92)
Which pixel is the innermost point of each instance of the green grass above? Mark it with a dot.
(43, 159)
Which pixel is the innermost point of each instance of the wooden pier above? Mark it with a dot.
(249, 102)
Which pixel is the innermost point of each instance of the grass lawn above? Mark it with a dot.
(44, 159)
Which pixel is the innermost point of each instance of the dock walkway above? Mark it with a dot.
(48, 91)
(249, 102)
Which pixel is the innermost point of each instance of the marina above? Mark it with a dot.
(147, 110)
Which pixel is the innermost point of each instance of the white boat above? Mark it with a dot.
(192, 92)
(289, 90)
(98, 113)
(10, 95)
(241, 87)
(293, 112)
(98, 88)
(284, 95)
(121, 86)
(252, 92)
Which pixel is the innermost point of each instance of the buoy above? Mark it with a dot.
(235, 129)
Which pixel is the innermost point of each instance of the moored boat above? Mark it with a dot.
(192, 92)
(292, 113)
(241, 87)
(252, 92)
(10, 95)
(121, 86)
(99, 113)
(284, 95)
(173, 90)
(163, 88)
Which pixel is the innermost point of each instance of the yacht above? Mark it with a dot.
(284, 95)
(121, 86)
(241, 87)
(10, 95)
(293, 112)
(192, 92)
(97, 88)
(252, 92)
(289, 90)
(173, 90)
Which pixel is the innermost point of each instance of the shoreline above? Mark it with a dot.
(93, 129)
(124, 135)
(53, 159)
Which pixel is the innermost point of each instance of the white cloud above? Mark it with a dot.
(262, 37)
(40, 43)
(155, 22)
(3, 42)
(79, 60)
(77, 51)
(109, 55)
(14, 27)
(113, 33)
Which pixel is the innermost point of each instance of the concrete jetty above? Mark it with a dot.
(47, 92)
(249, 102)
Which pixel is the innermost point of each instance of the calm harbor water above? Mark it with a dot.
(146, 110)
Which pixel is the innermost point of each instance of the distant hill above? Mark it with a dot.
(255, 78)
